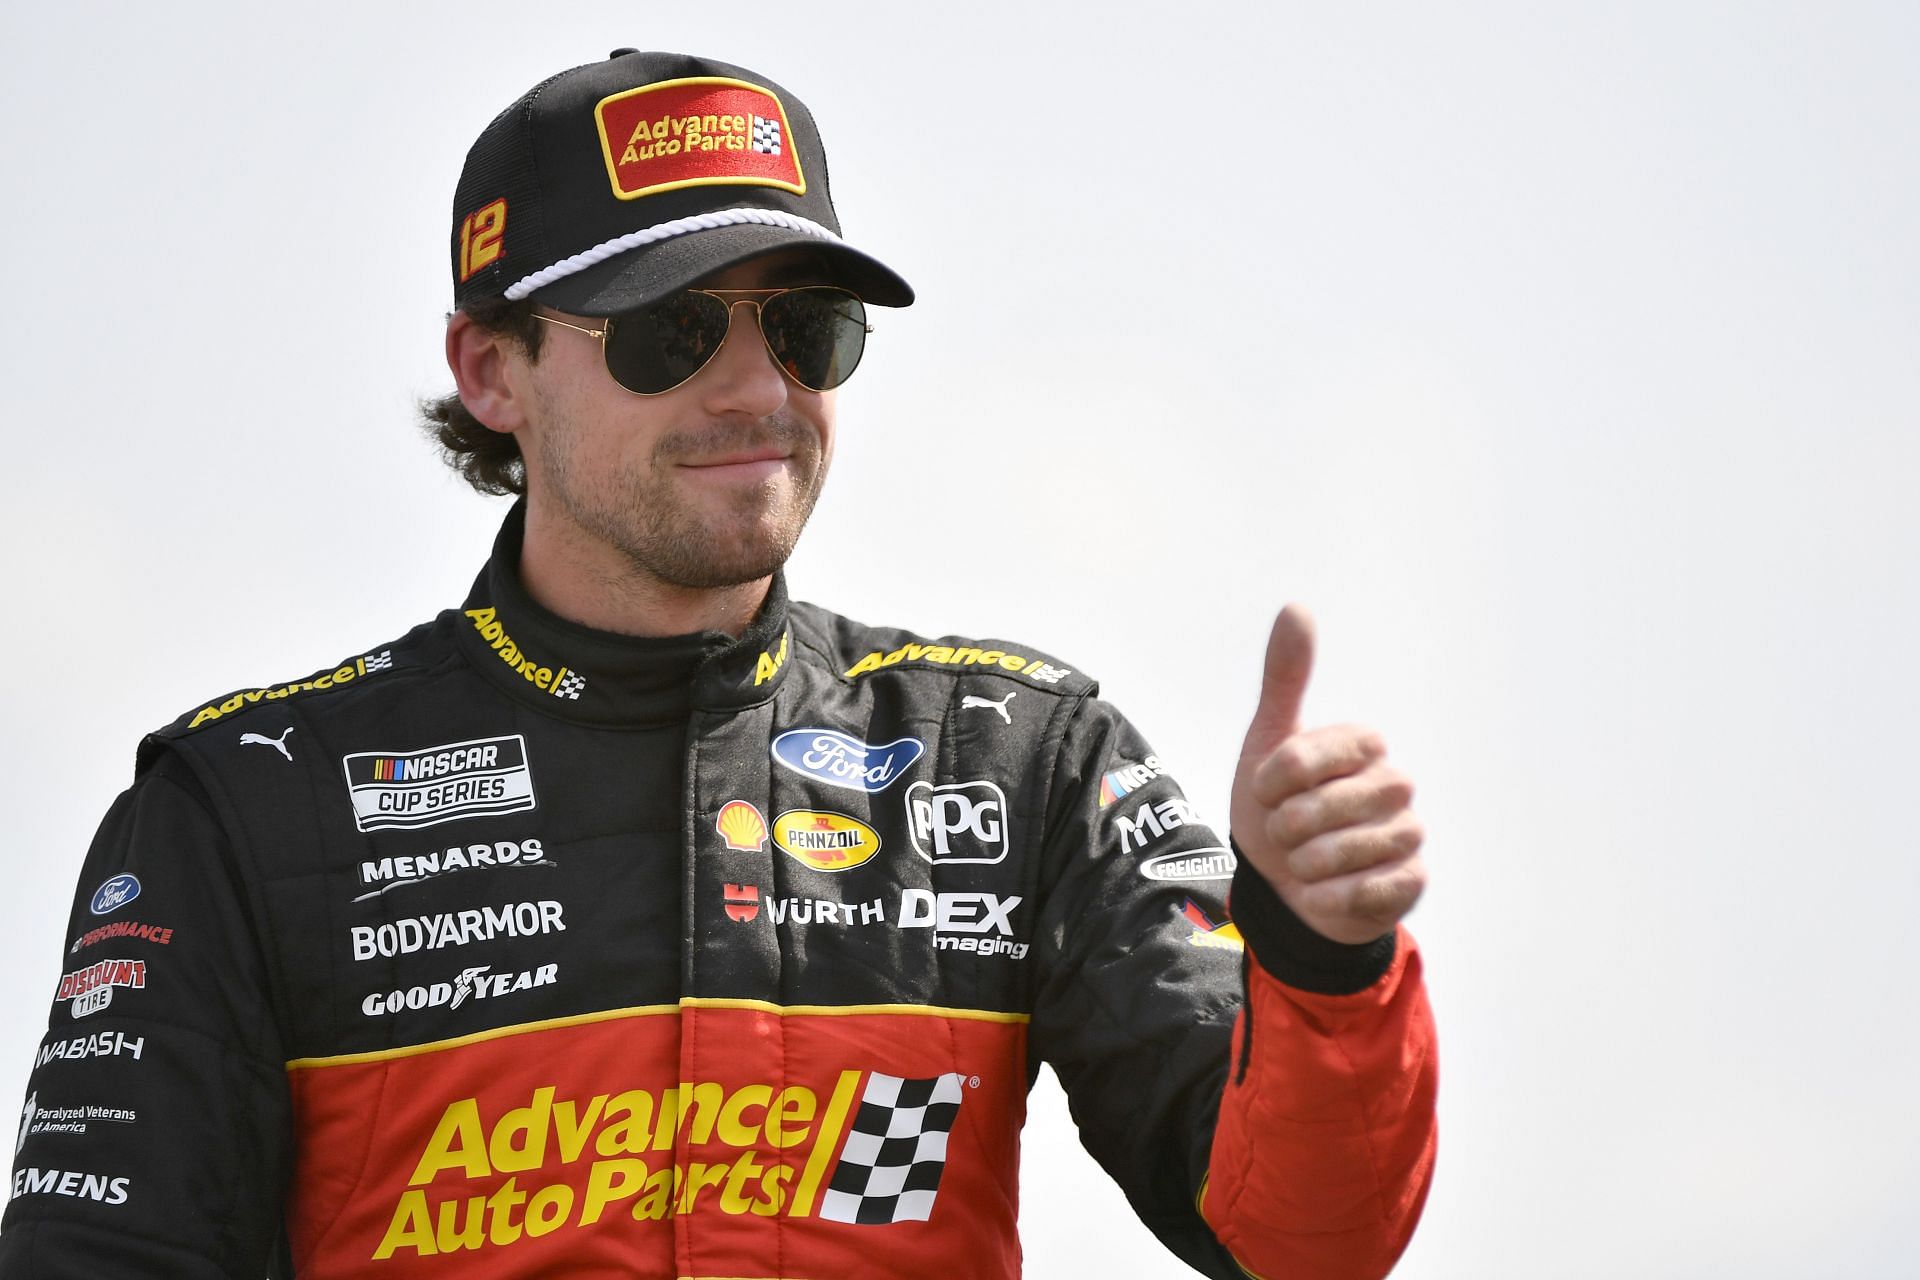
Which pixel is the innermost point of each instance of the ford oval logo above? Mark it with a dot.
(115, 894)
(842, 760)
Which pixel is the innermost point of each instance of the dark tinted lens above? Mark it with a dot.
(815, 334)
(660, 347)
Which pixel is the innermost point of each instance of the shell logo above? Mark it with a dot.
(741, 826)
(825, 841)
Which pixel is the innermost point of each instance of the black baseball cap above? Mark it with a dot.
(609, 186)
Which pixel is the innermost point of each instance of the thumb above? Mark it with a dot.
(1283, 681)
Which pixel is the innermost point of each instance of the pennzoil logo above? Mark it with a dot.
(561, 682)
(867, 1154)
(825, 841)
(942, 655)
(696, 132)
(365, 665)
(438, 784)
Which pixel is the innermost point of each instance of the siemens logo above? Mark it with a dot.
(81, 1186)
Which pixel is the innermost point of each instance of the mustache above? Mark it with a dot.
(783, 429)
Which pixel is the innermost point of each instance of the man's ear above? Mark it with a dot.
(479, 361)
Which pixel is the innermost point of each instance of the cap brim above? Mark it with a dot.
(643, 276)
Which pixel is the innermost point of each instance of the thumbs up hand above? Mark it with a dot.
(1319, 812)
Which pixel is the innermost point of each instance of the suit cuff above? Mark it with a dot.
(1291, 951)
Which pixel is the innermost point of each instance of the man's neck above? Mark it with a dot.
(582, 579)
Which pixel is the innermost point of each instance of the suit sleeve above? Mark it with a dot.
(155, 1136)
(1263, 1096)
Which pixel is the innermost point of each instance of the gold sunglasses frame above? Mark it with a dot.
(731, 298)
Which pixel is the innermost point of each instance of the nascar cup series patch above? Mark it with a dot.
(695, 132)
(438, 784)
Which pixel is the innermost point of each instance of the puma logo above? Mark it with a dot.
(1001, 706)
(261, 740)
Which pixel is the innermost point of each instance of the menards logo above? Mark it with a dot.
(768, 1152)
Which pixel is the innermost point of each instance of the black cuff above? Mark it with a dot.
(1288, 948)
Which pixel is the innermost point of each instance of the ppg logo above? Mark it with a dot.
(958, 821)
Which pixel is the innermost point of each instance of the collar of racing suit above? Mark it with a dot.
(600, 678)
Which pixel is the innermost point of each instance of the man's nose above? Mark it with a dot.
(742, 377)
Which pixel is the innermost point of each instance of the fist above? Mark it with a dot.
(1319, 812)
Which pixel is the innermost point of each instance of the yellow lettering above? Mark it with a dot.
(699, 1177)
(530, 1120)
(658, 1197)
(454, 1237)
(630, 156)
(611, 1180)
(731, 1198)
(966, 656)
(205, 714)
(869, 663)
(573, 1137)
(823, 1146)
(410, 1229)
(733, 1129)
(940, 653)
(789, 1116)
(773, 1191)
(549, 1208)
(461, 1121)
(502, 1229)
(628, 1133)
(1012, 661)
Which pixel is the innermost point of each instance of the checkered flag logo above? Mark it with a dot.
(571, 685)
(766, 135)
(379, 661)
(890, 1168)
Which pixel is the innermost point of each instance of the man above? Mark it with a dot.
(633, 919)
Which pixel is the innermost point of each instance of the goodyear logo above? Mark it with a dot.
(769, 1151)
(561, 682)
(365, 665)
(693, 132)
(825, 841)
(942, 655)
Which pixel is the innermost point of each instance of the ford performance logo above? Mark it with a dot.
(115, 894)
(842, 760)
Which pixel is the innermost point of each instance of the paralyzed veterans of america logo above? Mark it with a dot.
(439, 784)
(775, 1149)
(842, 760)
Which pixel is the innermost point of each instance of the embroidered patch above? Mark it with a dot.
(699, 131)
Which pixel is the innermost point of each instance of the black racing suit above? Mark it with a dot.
(512, 948)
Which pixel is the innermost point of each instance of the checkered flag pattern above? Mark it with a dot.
(766, 135)
(570, 686)
(379, 661)
(890, 1168)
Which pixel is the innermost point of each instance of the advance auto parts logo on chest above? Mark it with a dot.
(438, 784)
(767, 1152)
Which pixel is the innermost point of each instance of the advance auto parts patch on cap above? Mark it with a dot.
(701, 131)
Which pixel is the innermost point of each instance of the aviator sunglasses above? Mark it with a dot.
(815, 333)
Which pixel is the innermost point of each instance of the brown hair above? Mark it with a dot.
(488, 460)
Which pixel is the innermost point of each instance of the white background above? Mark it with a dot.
(1561, 357)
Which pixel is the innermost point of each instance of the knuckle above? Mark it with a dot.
(1297, 819)
(1396, 788)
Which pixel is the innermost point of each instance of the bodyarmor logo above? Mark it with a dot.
(958, 821)
(438, 784)
(842, 760)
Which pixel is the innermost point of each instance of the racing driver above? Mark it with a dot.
(634, 919)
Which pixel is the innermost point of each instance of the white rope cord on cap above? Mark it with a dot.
(662, 231)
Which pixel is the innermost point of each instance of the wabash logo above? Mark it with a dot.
(91, 988)
(870, 1152)
(438, 784)
(958, 821)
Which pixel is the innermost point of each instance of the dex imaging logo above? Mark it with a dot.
(958, 821)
